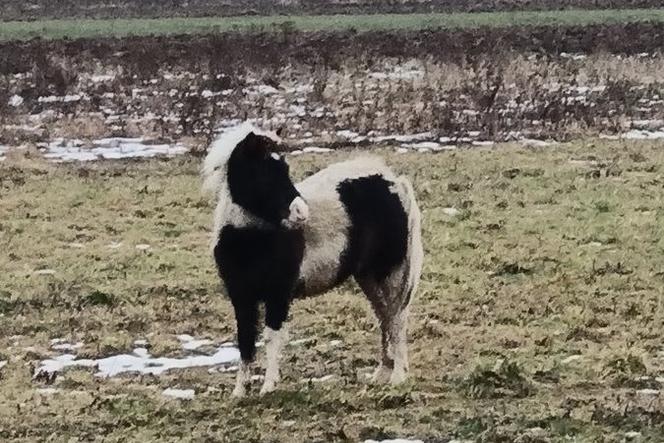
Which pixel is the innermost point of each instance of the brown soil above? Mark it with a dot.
(144, 55)
(39, 9)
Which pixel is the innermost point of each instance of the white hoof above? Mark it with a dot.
(381, 374)
(239, 392)
(267, 388)
(398, 376)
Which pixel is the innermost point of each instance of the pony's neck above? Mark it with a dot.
(230, 213)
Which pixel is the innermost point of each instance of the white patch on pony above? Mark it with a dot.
(275, 156)
(214, 178)
(243, 377)
(275, 341)
(325, 231)
(298, 213)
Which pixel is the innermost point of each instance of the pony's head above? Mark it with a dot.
(257, 176)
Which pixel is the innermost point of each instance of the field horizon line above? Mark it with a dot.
(53, 29)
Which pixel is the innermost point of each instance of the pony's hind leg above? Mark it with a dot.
(398, 344)
(378, 297)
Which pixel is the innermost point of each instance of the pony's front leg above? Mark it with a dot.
(276, 336)
(246, 316)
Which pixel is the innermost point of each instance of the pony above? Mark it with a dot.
(274, 241)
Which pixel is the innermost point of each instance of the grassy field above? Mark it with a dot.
(539, 316)
(55, 29)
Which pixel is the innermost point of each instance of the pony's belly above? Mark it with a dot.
(321, 264)
(314, 283)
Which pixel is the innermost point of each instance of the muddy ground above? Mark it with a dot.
(275, 48)
(448, 88)
(40, 9)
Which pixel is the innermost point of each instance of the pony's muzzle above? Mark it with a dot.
(298, 213)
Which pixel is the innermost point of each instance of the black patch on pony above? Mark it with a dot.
(378, 234)
(259, 182)
(258, 265)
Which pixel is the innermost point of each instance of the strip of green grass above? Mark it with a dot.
(55, 29)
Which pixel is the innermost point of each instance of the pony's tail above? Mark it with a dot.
(415, 252)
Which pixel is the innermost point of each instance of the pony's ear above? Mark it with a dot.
(253, 146)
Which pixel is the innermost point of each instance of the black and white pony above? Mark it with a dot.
(275, 241)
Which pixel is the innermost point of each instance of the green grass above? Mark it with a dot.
(553, 255)
(55, 29)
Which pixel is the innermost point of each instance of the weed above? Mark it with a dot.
(505, 379)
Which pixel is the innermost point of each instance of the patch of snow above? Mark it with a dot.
(140, 342)
(451, 211)
(483, 143)
(298, 110)
(140, 361)
(422, 136)
(102, 78)
(639, 134)
(571, 359)
(315, 150)
(261, 89)
(207, 93)
(15, 101)
(302, 341)
(183, 394)
(647, 124)
(47, 391)
(335, 343)
(67, 346)
(189, 343)
(319, 379)
(648, 392)
(347, 134)
(62, 99)
(573, 56)
(60, 150)
(632, 435)
(423, 145)
(223, 369)
(398, 73)
(534, 143)
(142, 247)
(3, 363)
(45, 272)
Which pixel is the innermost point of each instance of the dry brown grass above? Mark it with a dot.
(554, 253)
(498, 97)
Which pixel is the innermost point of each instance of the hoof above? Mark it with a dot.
(239, 392)
(267, 388)
(382, 374)
(398, 376)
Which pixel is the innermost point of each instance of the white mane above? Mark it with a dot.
(214, 166)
